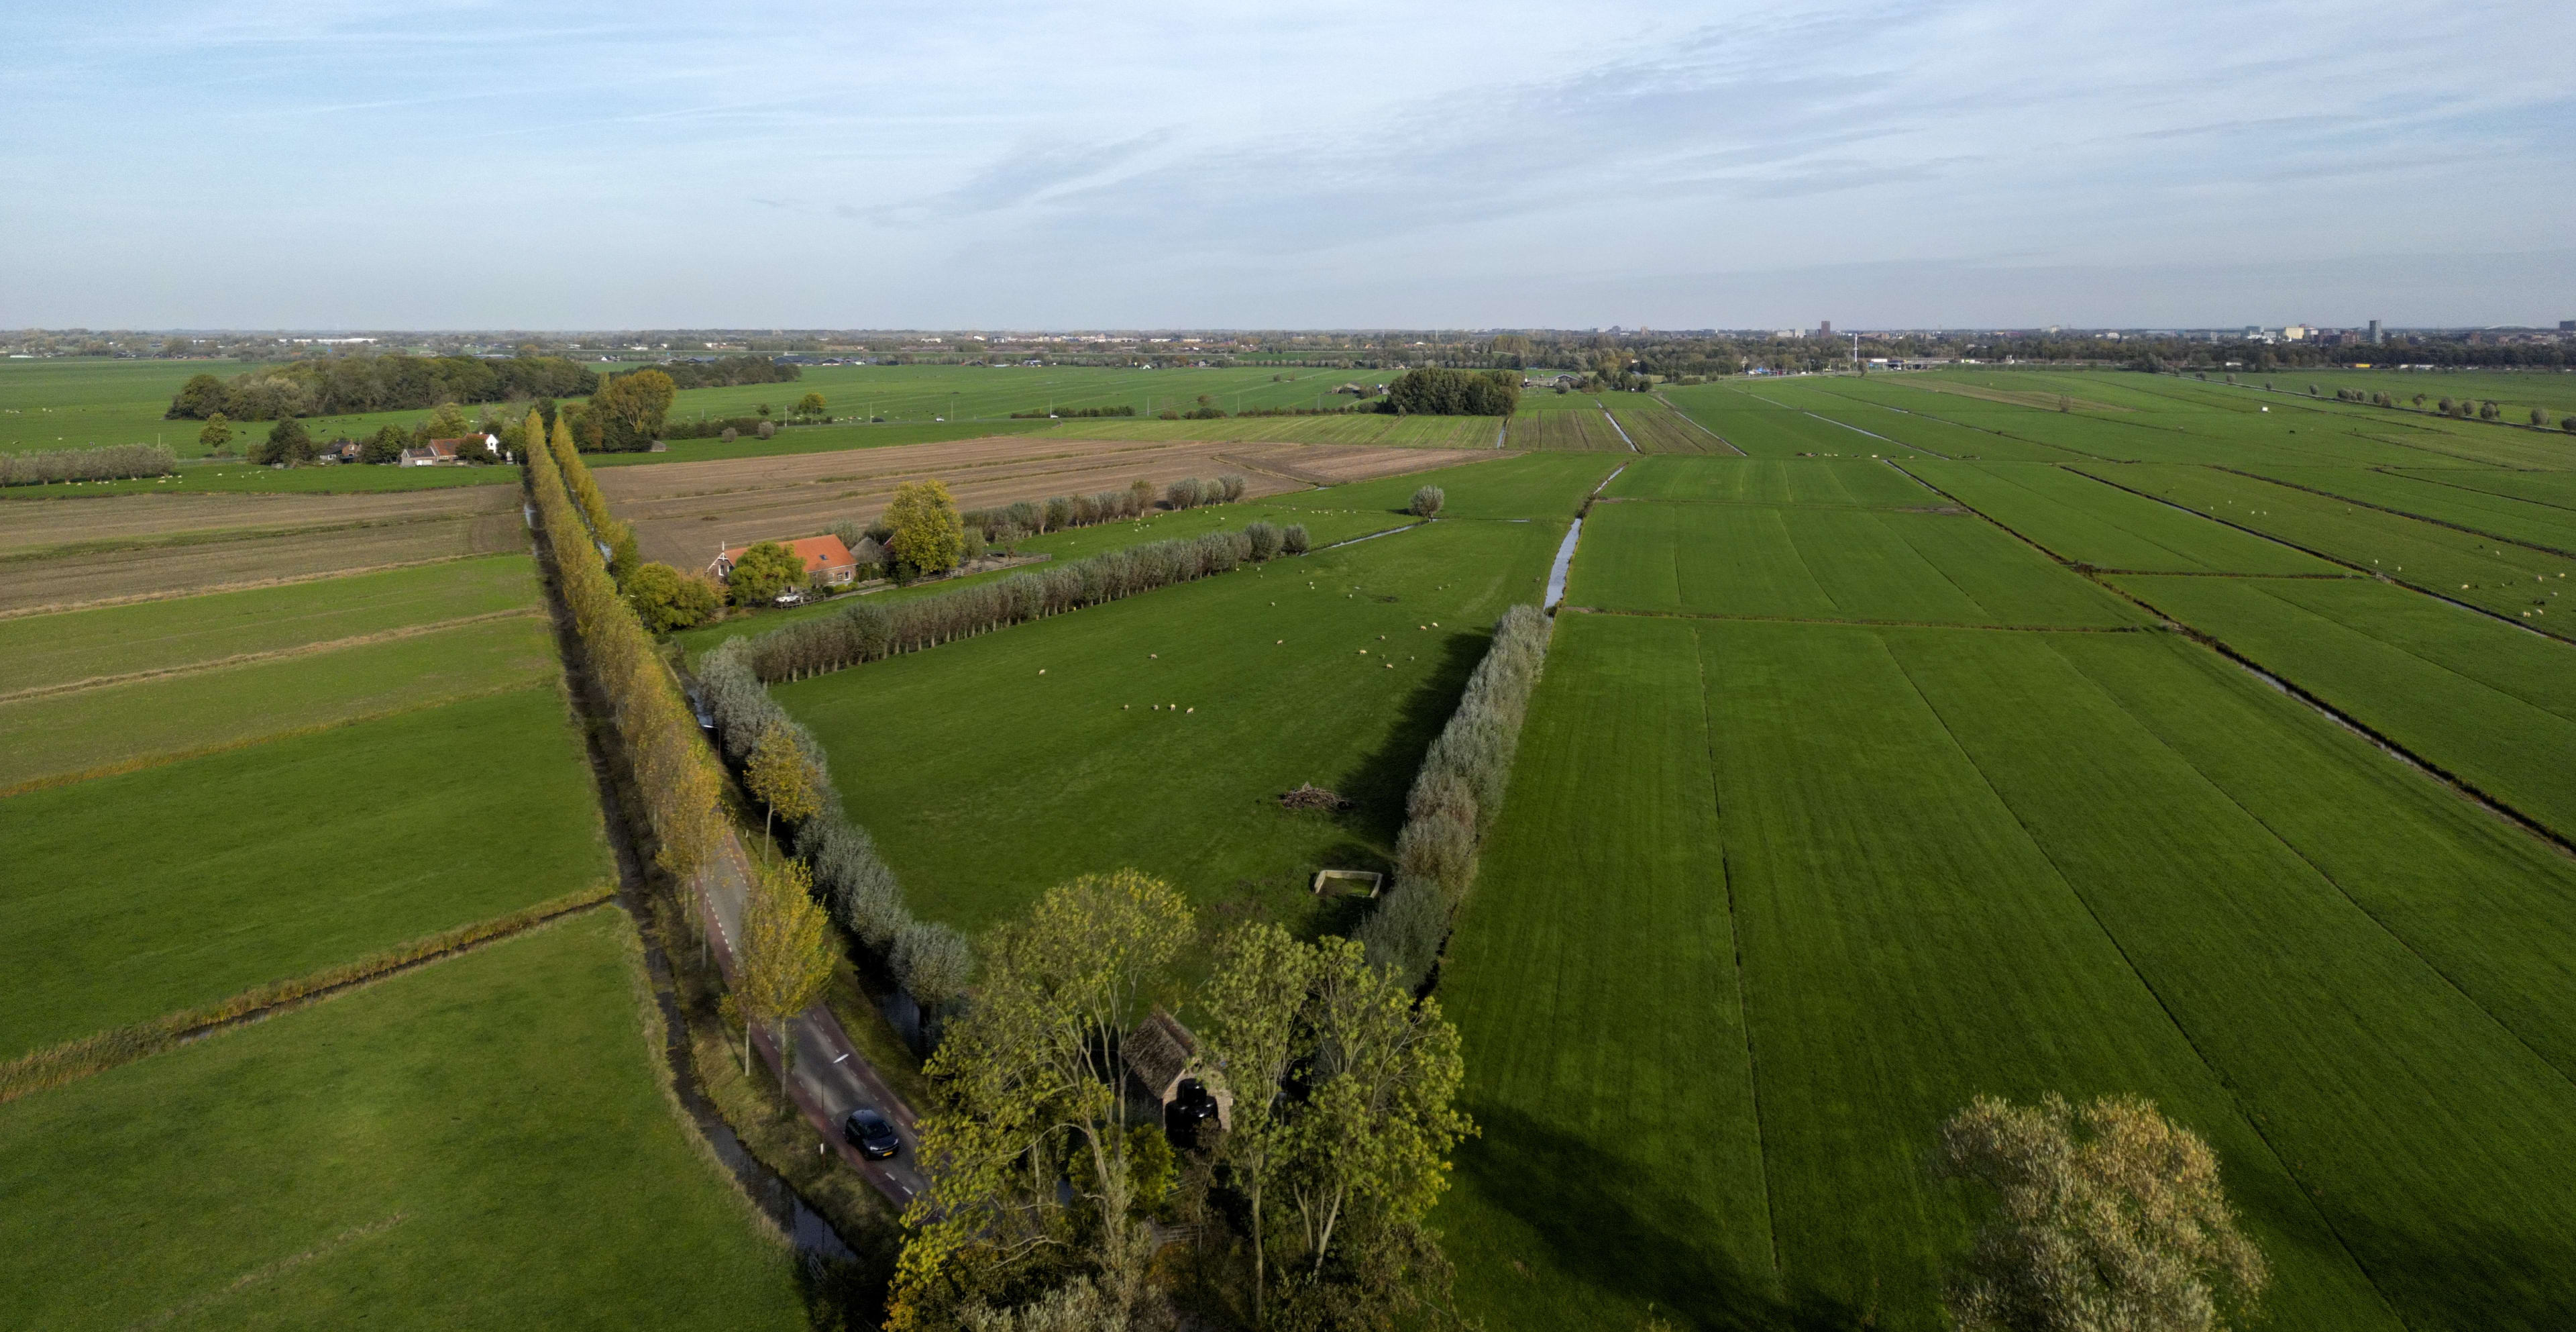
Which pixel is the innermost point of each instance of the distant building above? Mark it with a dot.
(436, 453)
(824, 556)
(2379, 335)
(1825, 329)
(2564, 325)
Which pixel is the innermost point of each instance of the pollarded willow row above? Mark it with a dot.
(873, 631)
(115, 462)
(673, 770)
(1455, 799)
(929, 960)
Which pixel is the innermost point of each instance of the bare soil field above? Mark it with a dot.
(685, 512)
(70, 526)
(136, 573)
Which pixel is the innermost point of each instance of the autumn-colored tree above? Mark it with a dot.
(782, 777)
(2104, 1217)
(786, 955)
(928, 534)
(810, 405)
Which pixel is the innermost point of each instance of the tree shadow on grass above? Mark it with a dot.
(2469, 1277)
(1377, 786)
(1615, 1227)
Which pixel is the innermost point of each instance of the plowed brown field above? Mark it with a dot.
(685, 512)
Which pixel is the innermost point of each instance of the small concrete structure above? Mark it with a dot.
(1338, 882)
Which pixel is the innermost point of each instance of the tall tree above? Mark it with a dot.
(810, 405)
(218, 434)
(763, 571)
(786, 954)
(2107, 1216)
(1030, 1083)
(1253, 1003)
(782, 777)
(928, 534)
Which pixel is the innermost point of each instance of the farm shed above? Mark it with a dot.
(1161, 1053)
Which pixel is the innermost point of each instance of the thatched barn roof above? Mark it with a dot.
(1160, 1052)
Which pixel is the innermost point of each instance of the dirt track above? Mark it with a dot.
(685, 512)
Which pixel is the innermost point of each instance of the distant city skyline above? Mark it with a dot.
(1985, 164)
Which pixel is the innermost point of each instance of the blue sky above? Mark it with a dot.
(269, 163)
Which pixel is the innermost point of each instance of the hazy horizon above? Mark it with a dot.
(1990, 164)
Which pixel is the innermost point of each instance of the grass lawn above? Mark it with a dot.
(985, 781)
(479, 1143)
(1532, 486)
(1828, 564)
(39, 650)
(141, 894)
(811, 439)
(2459, 497)
(88, 730)
(2079, 519)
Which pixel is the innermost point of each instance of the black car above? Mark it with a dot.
(871, 1134)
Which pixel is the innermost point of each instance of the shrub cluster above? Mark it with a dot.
(872, 631)
(1437, 390)
(1057, 512)
(930, 961)
(1071, 413)
(675, 775)
(714, 427)
(1454, 800)
(115, 462)
(1190, 492)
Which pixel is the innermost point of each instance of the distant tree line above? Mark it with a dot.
(347, 385)
(113, 463)
(722, 372)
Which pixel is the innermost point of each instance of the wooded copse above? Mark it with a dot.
(1438, 390)
(930, 961)
(113, 462)
(1455, 799)
(347, 385)
(870, 632)
(1047, 1170)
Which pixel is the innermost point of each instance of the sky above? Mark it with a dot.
(1036, 164)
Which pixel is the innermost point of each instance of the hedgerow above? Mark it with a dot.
(675, 774)
(1455, 798)
(873, 631)
(115, 462)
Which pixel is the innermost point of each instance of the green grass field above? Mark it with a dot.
(49, 650)
(2082, 520)
(1857, 482)
(153, 891)
(2496, 576)
(2439, 497)
(985, 781)
(1358, 428)
(50, 736)
(1827, 564)
(1964, 862)
(2477, 697)
(479, 1143)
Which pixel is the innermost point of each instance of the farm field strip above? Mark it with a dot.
(2485, 513)
(1907, 945)
(1854, 482)
(344, 1162)
(1568, 431)
(1620, 1157)
(1720, 443)
(1660, 429)
(1200, 702)
(1828, 564)
(2083, 521)
(2482, 701)
(54, 737)
(2497, 577)
(47, 528)
(1363, 429)
(42, 651)
(310, 850)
